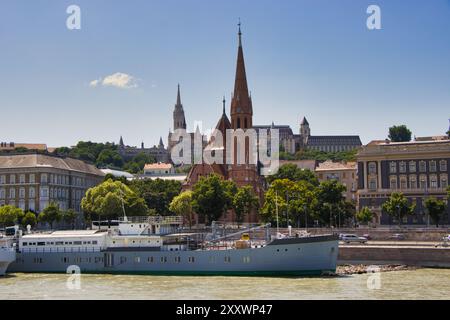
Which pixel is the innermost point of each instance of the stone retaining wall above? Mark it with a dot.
(424, 257)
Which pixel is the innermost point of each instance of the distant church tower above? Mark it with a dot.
(179, 121)
(305, 131)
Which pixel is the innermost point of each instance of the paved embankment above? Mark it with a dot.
(412, 255)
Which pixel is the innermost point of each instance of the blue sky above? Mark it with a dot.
(313, 58)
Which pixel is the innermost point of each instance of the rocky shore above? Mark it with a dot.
(361, 269)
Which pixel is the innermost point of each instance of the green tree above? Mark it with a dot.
(398, 207)
(158, 193)
(9, 215)
(29, 219)
(50, 214)
(70, 217)
(399, 134)
(108, 158)
(331, 201)
(365, 215)
(209, 198)
(435, 209)
(244, 201)
(182, 205)
(292, 172)
(109, 199)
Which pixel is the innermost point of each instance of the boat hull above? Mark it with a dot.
(285, 257)
(7, 257)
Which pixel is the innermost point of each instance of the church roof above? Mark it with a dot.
(305, 122)
(334, 140)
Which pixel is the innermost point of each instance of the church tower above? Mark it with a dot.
(242, 118)
(305, 131)
(179, 122)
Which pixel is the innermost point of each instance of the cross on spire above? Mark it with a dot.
(240, 33)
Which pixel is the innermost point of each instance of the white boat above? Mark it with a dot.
(7, 254)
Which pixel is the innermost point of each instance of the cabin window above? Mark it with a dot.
(137, 259)
(191, 259)
(123, 259)
(59, 243)
(77, 243)
(227, 259)
(177, 259)
(25, 244)
(246, 259)
(150, 259)
(41, 243)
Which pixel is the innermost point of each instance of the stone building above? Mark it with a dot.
(32, 181)
(292, 143)
(160, 153)
(343, 172)
(418, 169)
(179, 123)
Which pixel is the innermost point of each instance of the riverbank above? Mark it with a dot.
(348, 269)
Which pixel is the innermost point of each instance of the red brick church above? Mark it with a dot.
(241, 112)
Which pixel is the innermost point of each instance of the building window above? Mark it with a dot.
(403, 183)
(422, 166)
(2, 179)
(372, 168)
(22, 178)
(12, 193)
(372, 184)
(412, 182)
(44, 178)
(432, 166)
(423, 182)
(443, 165)
(22, 193)
(444, 181)
(402, 167)
(392, 167)
(393, 182)
(2, 193)
(412, 166)
(12, 179)
(44, 192)
(32, 178)
(433, 181)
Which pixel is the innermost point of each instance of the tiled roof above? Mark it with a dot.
(334, 140)
(153, 166)
(42, 160)
(332, 166)
(31, 146)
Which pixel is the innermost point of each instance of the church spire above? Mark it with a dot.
(179, 121)
(223, 102)
(241, 103)
(179, 97)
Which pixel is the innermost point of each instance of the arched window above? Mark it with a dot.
(245, 123)
(238, 123)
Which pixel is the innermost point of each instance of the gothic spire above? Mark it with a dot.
(241, 101)
(223, 102)
(179, 97)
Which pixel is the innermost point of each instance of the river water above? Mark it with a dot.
(409, 284)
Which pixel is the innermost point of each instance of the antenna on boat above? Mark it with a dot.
(276, 210)
(125, 219)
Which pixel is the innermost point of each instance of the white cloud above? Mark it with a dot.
(118, 80)
(94, 83)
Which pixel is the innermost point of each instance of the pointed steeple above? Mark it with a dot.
(161, 144)
(179, 97)
(223, 103)
(241, 103)
(121, 142)
(179, 121)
